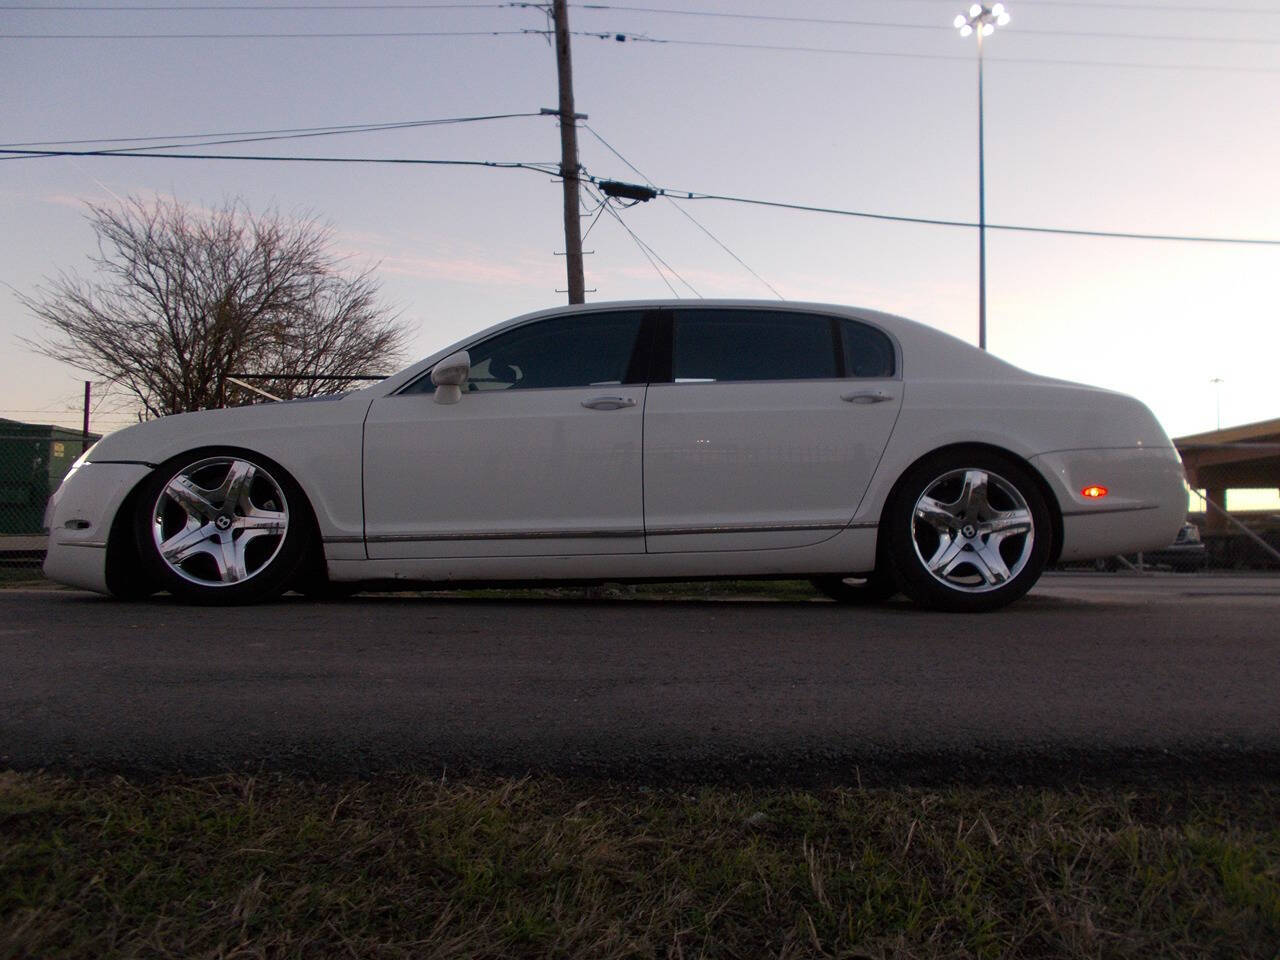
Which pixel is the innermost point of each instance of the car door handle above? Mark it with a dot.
(608, 403)
(867, 396)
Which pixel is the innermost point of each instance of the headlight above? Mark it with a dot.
(80, 462)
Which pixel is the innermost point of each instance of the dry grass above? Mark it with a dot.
(244, 867)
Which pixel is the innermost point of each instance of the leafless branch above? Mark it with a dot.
(182, 298)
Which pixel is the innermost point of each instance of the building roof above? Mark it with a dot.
(1241, 457)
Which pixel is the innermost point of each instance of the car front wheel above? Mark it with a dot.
(967, 531)
(221, 527)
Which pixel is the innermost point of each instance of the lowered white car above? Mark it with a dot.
(631, 441)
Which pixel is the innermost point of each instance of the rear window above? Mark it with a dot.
(727, 345)
(868, 352)
(714, 345)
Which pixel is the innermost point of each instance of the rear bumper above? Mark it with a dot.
(1145, 505)
(80, 515)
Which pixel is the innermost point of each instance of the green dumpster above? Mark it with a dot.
(34, 458)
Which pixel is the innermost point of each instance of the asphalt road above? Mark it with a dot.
(1093, 678)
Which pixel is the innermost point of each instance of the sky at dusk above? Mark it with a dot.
(1132, 117)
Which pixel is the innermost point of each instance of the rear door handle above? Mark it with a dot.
(867, 396)
(608, 403)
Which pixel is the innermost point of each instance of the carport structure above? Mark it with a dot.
(1246, 457)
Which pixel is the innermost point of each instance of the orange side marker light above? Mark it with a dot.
(1094, 492)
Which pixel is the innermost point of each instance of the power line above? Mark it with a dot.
(552, 169)
(427, 5)
(934, 27)
(642, 38)
(650, 254)
(686, 213)
(643, 251)
(1107, 5)
(771, 18)
(594, 220)
(257, 136)
(892, 218)
(1168, 37)
(332, 128)
(1161, 7)
(268, 36)
(254, 6)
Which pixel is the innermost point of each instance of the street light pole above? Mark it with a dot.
(982, 215)
(982, 20)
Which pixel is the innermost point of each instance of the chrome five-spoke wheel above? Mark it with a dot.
(968, 531)
(972, 530)
(220, 528)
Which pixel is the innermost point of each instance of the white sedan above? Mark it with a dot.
(630, 441)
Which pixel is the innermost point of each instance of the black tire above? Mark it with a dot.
(874, 588)
(126, 580)
(967, 530)
(221, 526)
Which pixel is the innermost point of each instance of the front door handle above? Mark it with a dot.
(608, 403)
(867, 396)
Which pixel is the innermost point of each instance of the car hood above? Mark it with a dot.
(157, 440)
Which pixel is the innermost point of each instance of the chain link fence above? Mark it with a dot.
(1245, 540)
(33, 460)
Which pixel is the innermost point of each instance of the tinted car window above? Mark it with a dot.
(591, 350)
(867, 351)
(714, 345)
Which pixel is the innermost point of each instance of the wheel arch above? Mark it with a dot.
(1051, 501)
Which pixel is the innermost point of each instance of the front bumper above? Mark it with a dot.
(80, 515)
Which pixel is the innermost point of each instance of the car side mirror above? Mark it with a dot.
(449, 375)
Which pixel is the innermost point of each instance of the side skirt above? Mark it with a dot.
(849, 551)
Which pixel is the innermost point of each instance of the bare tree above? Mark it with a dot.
(184, 298)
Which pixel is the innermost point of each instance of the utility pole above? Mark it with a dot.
(569, 155)
(88, 388)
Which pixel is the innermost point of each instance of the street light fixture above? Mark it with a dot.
(981, 21)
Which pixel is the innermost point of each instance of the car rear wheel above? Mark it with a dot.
(967, 531)
(221, 527)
